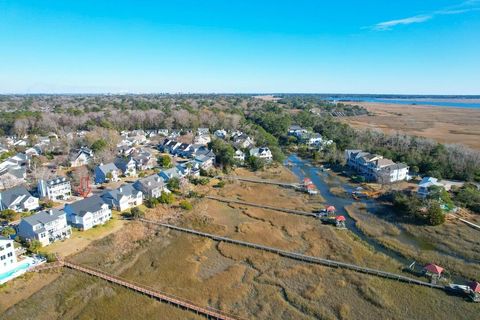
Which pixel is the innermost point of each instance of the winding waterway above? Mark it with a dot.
(324, 181)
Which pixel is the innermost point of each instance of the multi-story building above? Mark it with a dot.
(58, 188)
(7, 254)
(18, 199)
(45, 226)
(87, 213)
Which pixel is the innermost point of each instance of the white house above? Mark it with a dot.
(425, 184)
(18, 199)
(221, 134)
(203, 139)
(12, 176)
(58, 188)
(87, 213)
(8, 257)
(45, 226)
(263, 153)
(374, 167)
(123, 198)
(81, 157)
(127, 165)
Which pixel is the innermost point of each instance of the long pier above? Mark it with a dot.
(209, 313)
(251, 204)
(301, 257)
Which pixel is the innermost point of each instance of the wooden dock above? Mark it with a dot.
(251, 204)
(208, 312)
(301, 257)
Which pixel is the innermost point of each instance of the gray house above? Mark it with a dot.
(106, 172)
(18, 199)
(87, 213)
(127, 165)
(45, 226)
(152, 186)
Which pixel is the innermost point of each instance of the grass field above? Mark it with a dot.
(242, 281)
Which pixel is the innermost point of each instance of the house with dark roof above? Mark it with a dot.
(123, 198)
(151, 186)
(127, 165)
(12, 176)
(106, 173)
(45, 226)
(58, 188)
(81, 157)
(18, 199)
(87, 213)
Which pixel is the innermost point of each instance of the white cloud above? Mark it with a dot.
(464, 7)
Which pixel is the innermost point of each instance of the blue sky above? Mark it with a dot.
(421, 47)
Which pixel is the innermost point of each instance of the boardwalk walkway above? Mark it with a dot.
(209, 313)
(251, 204)
(301, 257)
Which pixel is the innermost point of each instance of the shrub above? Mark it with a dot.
(220, 184)
(8, 214)
(173, 184)
(136, 213)
(34, 246)
(167, 198)
(186, 205)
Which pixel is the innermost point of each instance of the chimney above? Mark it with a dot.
(149, 183)
(50, 212)
(120, 189)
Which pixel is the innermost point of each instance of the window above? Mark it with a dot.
(2, 257)
(9, 245)
(9, 254)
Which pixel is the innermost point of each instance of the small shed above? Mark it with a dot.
(474, 291)
(331, 210)
(340, 221)
(433, 271)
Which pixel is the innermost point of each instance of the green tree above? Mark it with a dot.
(8, 231)
(99, 145)
(136, 213)
(165, 161)
(173, 184)
(435, 215)
(8, 214)
(34, 246)
(255, 163)
(224, 153)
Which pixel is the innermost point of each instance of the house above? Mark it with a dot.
(106, 173)
(203, 139)
(125, 150)
(123, 198)
(242, 141)
(374, 167)
(203, 131)
(144, 160)
(204, 161)
(127, 165)
(45, 226)
(426, 183)
(18, 199)
(182, 149)
(34, 151)
(58, 188)
(12, 176)
(169, 146)
(8, 258)
(151, 186)
(263, 153)
(18, 160)
(163, 132)
(239, 156)
(314, 139)
(175, 172)
(296, 131)
(81, 157)
(221, 134)
(87, 213)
